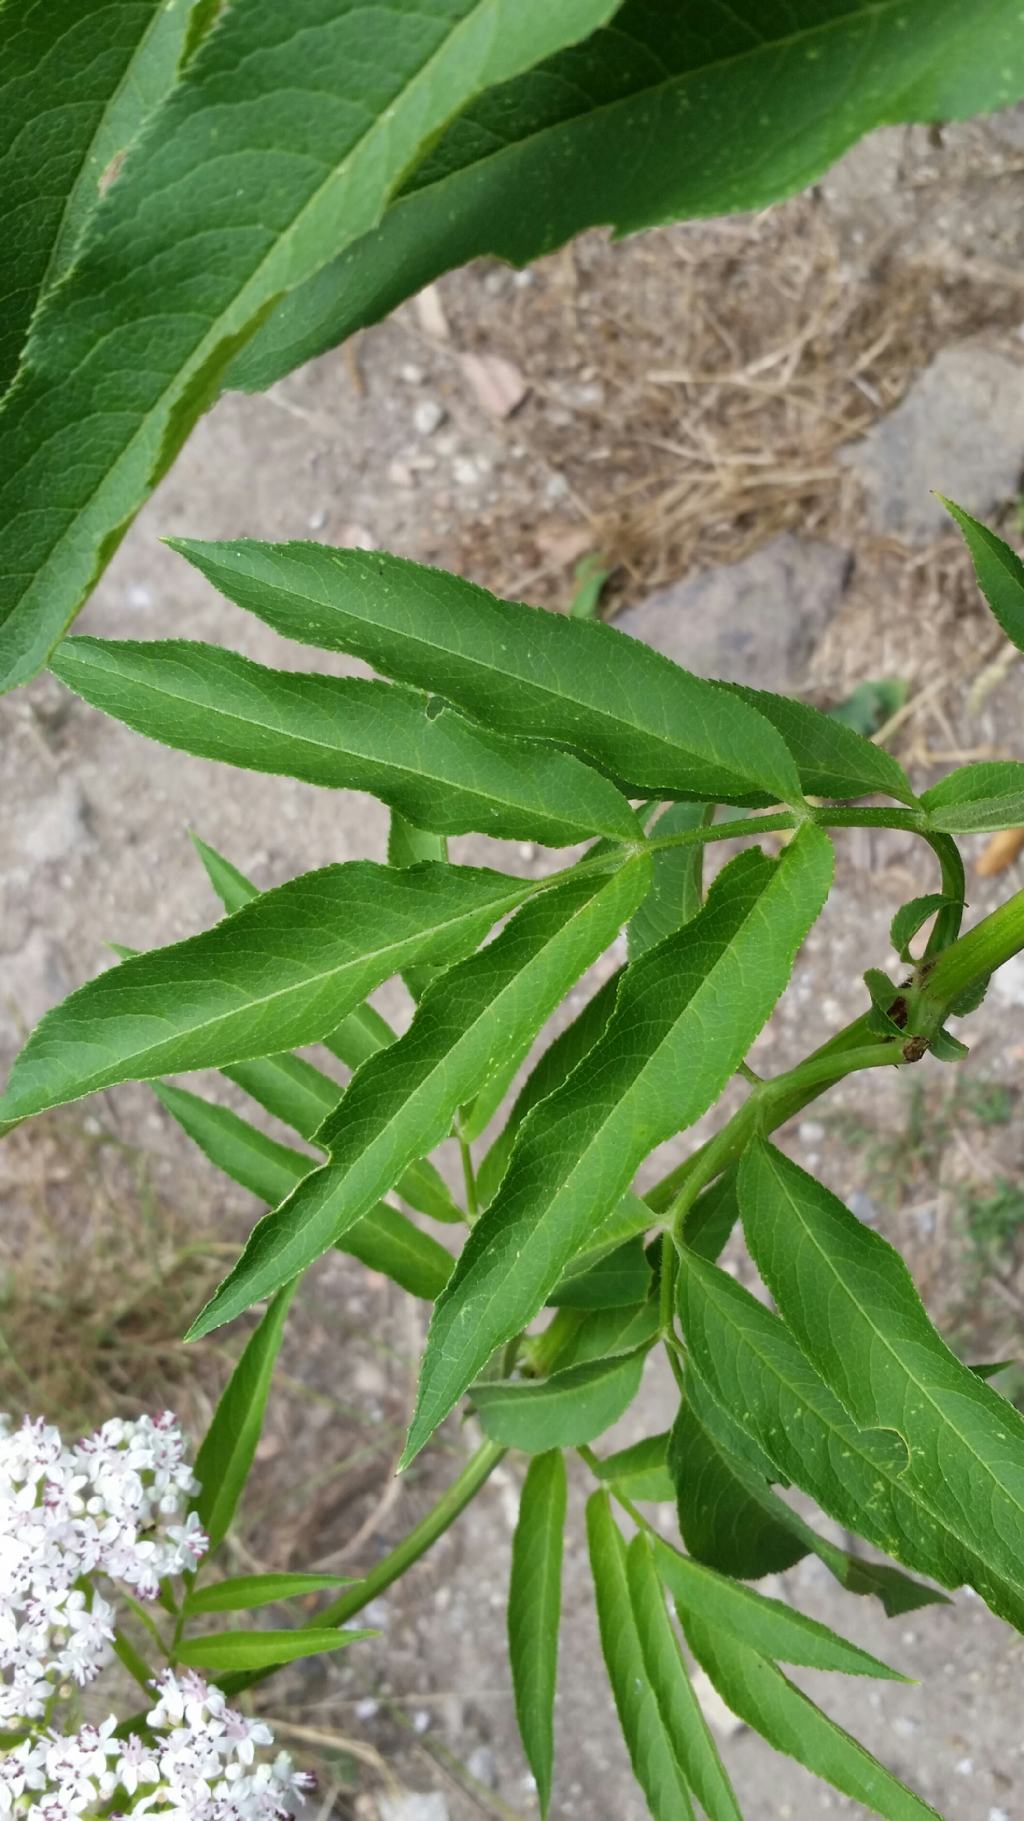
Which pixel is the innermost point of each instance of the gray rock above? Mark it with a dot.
(411, 1807)
(959, 431)
(753, 622)
(864, 1208)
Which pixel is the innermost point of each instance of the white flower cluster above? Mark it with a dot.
(202, 1762)
(115, 1504)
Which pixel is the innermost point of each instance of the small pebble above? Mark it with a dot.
(367, 1708)
(421, 1721)
(412, 375)
(964, 1767)
(428, 417)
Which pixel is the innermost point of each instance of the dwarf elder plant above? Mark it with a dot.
(201, 196)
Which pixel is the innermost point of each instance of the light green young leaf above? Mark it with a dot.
(439, 769)
(562, 1411)
(282, 971)
(912, 917)
(234, 1650)
(617, 132)
(684, 1724)
(535, 1610)
(517, 669)
(768, 1626)
(249, 179)
(641, 1472)
(248, 1591)
(756, 1372)
(978, 798)
(675, 892)
(650, 1748)
(77, 84)
(833, 760)
(227, 1449)
(401, 1103)
(619, 1280)
(999, 570)
(852, 1305)
(552, 1068)
(686, 1014)
(384, 1240)
(762, 1696)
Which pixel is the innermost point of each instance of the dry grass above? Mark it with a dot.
(99, 1278)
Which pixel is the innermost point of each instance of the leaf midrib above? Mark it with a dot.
(306, 739)
(903, 1366)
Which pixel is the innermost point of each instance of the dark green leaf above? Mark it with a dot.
(288, 1088)
(620, 1279)
(227, 1449)
(675, 892)
(518, 669)
(282, 971)
(249, 179)
(662, 116)
(685, 1016)
(407, 846)
(650, 1748)
(562, 1411)
(727, 1517)
(439, 769)
(77, 83)
(833, 759)
(535, 1610)
(755, 1370)
(999, 570)
(762, 1696)
(610, 1331)
(681, 1717)
(852, 1305)
(978, 798)
(249, 1591)
(384, 1239)
(402, 1101)
(234, 1650)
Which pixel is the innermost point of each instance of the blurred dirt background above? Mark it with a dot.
(736, 425)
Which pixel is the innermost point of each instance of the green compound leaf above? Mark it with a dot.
(686, 1014)
(282, 971)
(681, 1717)
(755, 1370)
(278, 148)
(650, 1746)
(402, 1102)
(385, 1240)
(77, 84)
(440, 770)
(535, 1610)
(769, 1626)
(235, 1650)
(978, 799)
(562, 1411)
(675, 893)
(999, 570)
(518, 669)
(833, 760)
(762, 1696)
(853, 1307)
(227, 1449)
(663, 115)
(247, 1592)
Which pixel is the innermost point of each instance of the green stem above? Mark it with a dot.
(669, 1265)
(993, 941)
(469, 1178)
(420, 1538)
